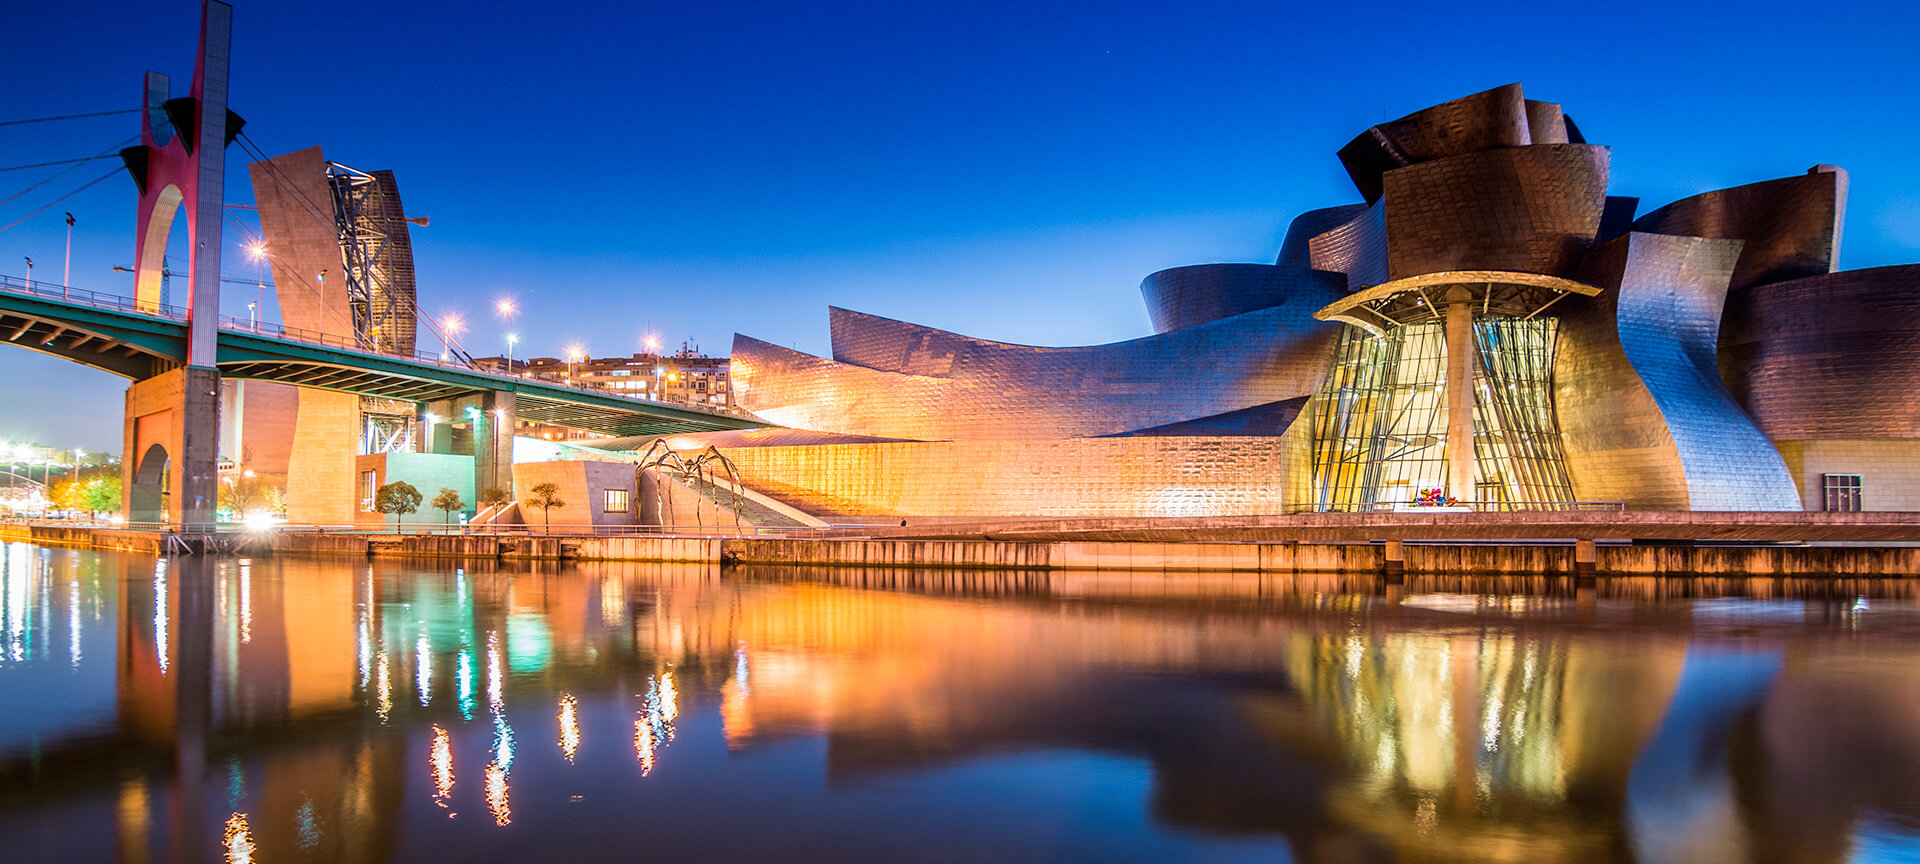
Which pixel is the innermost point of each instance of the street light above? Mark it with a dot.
(507, 311)
(574, 355)
(66, 275)
(449, 326)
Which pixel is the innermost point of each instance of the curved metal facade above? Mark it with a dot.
(1664, 299)
(894, 379)
(1835, 356)
(1791, 225)
(1483, 121)
(1189, 296)
(1531, 209)
(1489, 182)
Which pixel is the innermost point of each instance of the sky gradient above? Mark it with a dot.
(1006, 171)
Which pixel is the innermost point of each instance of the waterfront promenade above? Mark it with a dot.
(1637, 543)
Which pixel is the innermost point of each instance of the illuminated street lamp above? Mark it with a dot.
(574, 355)
(507, 310)
(449, 327)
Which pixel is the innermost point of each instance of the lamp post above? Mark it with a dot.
(253, 315)
(653, 347)
(449, 326)
(258, 252)
(66, 274)
(574, 355)
(30, 272)
(507, 310)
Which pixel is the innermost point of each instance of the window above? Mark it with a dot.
(367, 483)
(615, 501)
(1842, 492)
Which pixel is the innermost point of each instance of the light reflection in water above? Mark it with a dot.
(246, 602)
(160, 615)
(238, 840)
(423, 669)
(383, 682)
(496, 686)
(463, 679)
(441, 759)
(1487, 728)
(73, 624)
(569, 726)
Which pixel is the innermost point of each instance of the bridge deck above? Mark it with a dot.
(139, 340)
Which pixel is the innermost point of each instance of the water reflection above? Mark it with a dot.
(282, 710)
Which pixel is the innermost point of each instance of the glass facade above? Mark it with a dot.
(1380, 422)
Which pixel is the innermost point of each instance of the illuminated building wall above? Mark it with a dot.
(1613, 384)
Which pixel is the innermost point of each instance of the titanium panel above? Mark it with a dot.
(1081, 477)
(1183, 297)
(1483, 121)
(1828, 357)
(1661, 314)
(907, 381)
(1294, 251)
(1357, 247)
(1532, 209)
(1791, 225)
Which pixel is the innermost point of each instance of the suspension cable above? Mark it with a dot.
(59, 174)
(117, 169)
(71, 117)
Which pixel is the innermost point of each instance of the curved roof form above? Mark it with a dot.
(899, 380)
(1791, 225)
(1420, 298)
(1183, 297)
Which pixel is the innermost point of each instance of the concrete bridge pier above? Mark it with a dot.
(1394, 567)
(1586, 560)
(170, 470)
(493, 427)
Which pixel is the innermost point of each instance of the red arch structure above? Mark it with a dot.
(180, 167)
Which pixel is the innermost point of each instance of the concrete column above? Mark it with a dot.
(1460, 456)
(493, 442)
(1395, 567)
(1586, 559)
(172, 420)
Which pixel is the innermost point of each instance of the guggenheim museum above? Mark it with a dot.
(1485, 326)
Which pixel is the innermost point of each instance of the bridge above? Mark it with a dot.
(140, 340)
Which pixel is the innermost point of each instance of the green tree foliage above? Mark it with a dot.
(448, 501)
(495, 497)
(243, 495)
(546, 496)
(95, 490)
(398, 498)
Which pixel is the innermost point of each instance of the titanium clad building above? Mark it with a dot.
(1486, 327)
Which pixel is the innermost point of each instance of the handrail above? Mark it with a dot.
(236, 324)
(1460, 506)
(84, 297)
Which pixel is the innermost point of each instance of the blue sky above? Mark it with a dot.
(1008, 171)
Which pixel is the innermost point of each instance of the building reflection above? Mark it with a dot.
(273, 709)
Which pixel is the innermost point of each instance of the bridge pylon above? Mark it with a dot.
(171, 465)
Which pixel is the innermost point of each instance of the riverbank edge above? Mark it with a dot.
(1134, 556)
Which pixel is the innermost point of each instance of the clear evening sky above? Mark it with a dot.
(1007, 171)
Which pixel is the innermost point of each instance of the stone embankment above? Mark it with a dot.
(1391, 557)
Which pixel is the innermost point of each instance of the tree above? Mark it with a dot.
(398, 498)
(546, 496)
(95, 490)
(448, 501)
(495, 496)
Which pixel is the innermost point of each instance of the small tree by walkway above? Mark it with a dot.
(398, 498)
(495, 496)
(448, 501)
(546, 496)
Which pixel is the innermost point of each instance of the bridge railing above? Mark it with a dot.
(236, 324)
(53, 291)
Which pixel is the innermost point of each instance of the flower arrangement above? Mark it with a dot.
(1435, 498)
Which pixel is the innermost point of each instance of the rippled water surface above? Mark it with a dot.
(300, 710)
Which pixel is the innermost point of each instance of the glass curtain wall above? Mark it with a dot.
(1380, 421)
